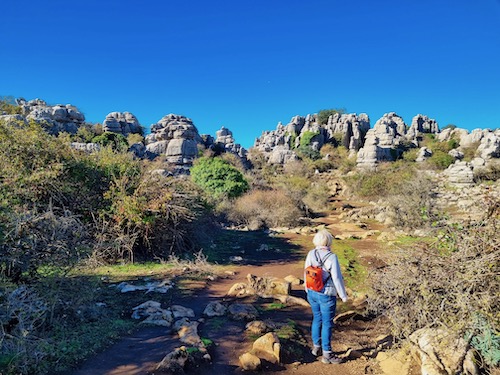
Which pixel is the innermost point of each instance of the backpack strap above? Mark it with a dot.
(322, 262)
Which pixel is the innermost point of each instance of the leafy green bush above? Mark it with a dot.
(325, 113)
(218, 178)
(305, 150)
(440, 160)
(114, 140)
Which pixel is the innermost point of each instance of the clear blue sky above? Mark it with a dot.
(249, 64)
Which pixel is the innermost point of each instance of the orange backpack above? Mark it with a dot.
(314, 275)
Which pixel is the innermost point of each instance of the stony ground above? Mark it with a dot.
(144, 349)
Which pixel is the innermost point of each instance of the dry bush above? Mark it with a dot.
(412, 205)
(451, 283)
(197, 264)
(269, 208)
(406, 192)
(317, 197)
(22, 313)
(34, 239)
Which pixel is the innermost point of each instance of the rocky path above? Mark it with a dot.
(140, 352)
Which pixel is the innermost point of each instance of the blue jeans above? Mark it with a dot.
(323, 309)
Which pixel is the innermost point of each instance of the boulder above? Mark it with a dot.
(182, 312)
(268, 347)
(174, 362)
(188, 331)
(250, 362)
(240, 311)
(490, 146)
(257, 327)
(85, 147)
(442, 352)
(293, 280)
(215, 309)
(422, 124)
(268, 285)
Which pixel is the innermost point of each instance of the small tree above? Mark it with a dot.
(218, 178)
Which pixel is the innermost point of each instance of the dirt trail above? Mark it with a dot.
(140, 352)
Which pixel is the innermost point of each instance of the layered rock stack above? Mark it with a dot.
(225, 139)
(56, 119)
(124, 123)
(175, 137)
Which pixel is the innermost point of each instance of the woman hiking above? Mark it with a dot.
(322, 293)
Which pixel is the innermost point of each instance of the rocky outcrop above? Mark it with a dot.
(124, 123)
(178, 137)
(346, 130)
(224, 137)
(422, 124)
(384, 141)
(56, 119)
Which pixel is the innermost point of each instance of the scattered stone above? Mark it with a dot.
(236, 259)
(174, 362)
(268, 347)
(215, 309)
(182, 312)
(240, 290)
(348, 315)
(268, 286)
(188, 331)
(153, 314)
(157, 286)
(250, 362)
(257, 327)
(239, 311)
(293, 280)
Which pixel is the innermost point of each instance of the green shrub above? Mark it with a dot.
(325, 113)
(114, 140)
(9, 106)
(440, 160)
(218, 178)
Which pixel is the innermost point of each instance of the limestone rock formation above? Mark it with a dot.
(123, 123)
(56, 119)
(342, 130)
(179, 140)
(422, 124)
(382, 143)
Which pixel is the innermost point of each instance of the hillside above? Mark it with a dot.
(85, 207)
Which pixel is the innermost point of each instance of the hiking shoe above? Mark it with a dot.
(316, 350)
(331, 359)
